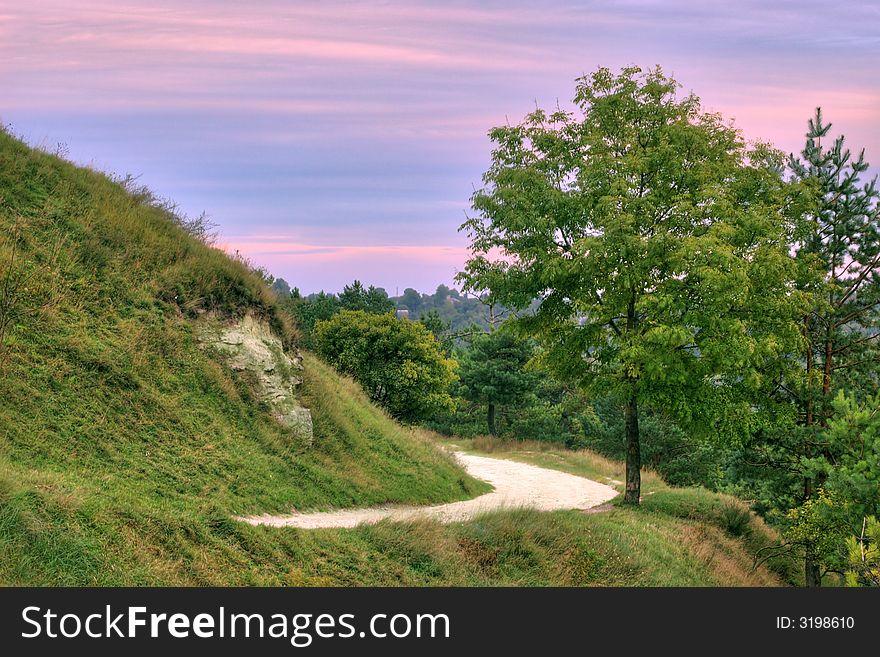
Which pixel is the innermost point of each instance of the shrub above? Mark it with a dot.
(399, 363)
(734, 518)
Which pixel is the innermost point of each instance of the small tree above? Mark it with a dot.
(493, 372)
(281, 288)
(838, 242)
(412, 300)
(651, 238)
(399, 364)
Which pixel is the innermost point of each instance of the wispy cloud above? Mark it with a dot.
(330, 267)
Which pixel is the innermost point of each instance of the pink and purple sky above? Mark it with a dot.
(337, 140)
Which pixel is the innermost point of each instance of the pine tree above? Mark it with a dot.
(837, 244)
(493, 372)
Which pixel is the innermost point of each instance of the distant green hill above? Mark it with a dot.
(127, 447)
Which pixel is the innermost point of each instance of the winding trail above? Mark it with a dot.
(516, 485)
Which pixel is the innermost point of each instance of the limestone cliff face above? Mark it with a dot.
(249, 344)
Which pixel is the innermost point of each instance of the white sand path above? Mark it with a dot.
(516, 485)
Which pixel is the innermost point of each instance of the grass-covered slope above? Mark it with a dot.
(122, 443)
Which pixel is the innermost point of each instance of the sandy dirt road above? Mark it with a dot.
(516, 485)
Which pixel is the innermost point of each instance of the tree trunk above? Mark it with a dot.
(812, 576)
(631, 423)
(491, 418)
(809, 409)
(826, 377)
(811, 568)
(633, 452)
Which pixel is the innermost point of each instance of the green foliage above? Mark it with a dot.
(399, 363)
(624, 242)
(315, 308)
(864, 555)
(838, 244)
(854, 436)
(651, 237)
(466, 315)
(440, 328)
(493, 371)
(817, 527)
(311, 310)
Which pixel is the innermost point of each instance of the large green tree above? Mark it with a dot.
(493, 372)
(651, 237)
(399, 363)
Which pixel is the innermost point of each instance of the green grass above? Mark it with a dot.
(703, 519)
(126, 451)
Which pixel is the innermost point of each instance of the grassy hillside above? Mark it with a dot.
(126, 451)
(121, 441)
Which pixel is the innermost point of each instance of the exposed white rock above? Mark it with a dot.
(249, 344)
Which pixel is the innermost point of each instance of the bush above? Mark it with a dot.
(398, 363)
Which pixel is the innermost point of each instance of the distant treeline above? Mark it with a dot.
(450, 314)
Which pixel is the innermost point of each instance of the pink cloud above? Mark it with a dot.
(780, 114)
(281, 246)
(314, 267)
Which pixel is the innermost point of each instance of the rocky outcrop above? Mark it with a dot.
(249, 344)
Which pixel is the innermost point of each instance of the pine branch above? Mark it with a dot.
(848, 345)
(869, 268)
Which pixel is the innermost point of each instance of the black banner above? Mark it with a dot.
(435, 621)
